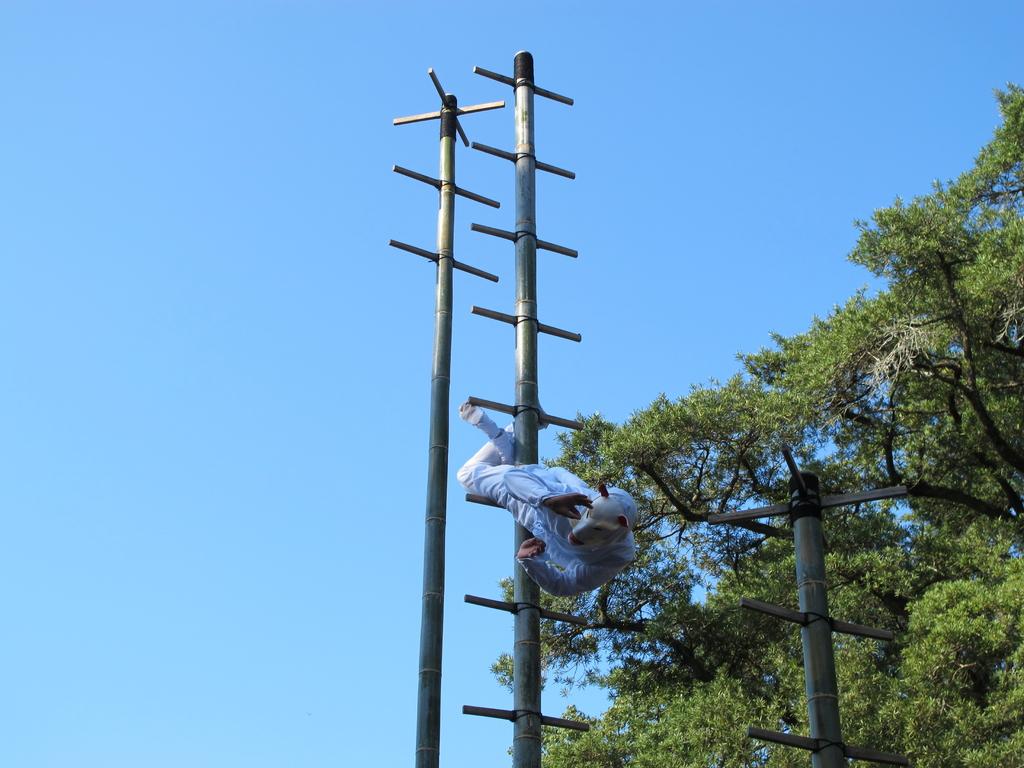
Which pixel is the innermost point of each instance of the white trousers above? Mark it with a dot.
(496, 452)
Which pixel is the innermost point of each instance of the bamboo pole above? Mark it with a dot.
(428, 712)
(526, 745)
(816, 635)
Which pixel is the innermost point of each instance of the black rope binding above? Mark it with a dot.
(517, 713)
(521, 606)
(520, 408)
(826, 743)
(817, 617)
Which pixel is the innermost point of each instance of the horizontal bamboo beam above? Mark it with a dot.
(509, 81)
(799, 617)
(513, 608)
(788, 739)
(813, 745)
(731, 518)
(513, 320)
(481, 107)
(416, 118)
(504, 234)
(476, 498)
(432, 256)
(892, 492)
(547, 167)
(511, 714)
(862, 631)
(778, 611)
(775, 510)
(511, 410)
(478, 198)
(553, 96)
(436, 184)
(416, 176)
(873, 756)
(494, 76)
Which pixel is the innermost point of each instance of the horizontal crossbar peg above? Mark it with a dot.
(478, 198)
(460, 110)
(416, 118)
(815, 745)
(861, 496)
(448, 102)
(734, 518)
(436, 184)
(509, 81)
(794, 470)
(513, 410)
(513, 320)
(494, 76)
(432, 256)
(513, 715)
(848, 628)
(446, 98)
(778, 611)
(788, 739)
(504, 234)
(476, 498)
(799, 617)
(510, 156)
(515, 608)
(873, 756)
(481, 107)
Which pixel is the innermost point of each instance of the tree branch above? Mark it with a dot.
(924, 489)
(682, 508)
(1015, 351)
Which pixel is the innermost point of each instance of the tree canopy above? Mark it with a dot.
(920, 383)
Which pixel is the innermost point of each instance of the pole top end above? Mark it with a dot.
(805, 494)
(523, 67)
(810, 480)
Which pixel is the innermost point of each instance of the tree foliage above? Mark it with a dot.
(920, 383)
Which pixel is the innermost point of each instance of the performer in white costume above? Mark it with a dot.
(570, 552)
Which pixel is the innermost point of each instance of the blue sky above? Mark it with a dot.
(216, 373)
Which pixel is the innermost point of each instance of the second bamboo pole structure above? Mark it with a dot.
(428, 711)
(526, 745)
(816, 635)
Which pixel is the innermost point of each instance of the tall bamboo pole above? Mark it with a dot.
(428, 713)
(819, 659)
(526, 745)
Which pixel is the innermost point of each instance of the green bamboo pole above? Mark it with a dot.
(816, 636)
(526, 745)
(428, 713)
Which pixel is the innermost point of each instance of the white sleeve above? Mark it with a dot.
(575, 579)
(526, 486)
(565, 477)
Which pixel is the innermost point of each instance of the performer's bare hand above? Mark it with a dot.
(530, 548)
(565, 505)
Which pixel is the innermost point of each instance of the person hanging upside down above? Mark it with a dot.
(570, 552)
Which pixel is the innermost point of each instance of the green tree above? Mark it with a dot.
(922, 384)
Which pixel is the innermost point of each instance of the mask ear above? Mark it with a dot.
(623, 521)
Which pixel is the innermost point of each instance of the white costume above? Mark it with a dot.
(563, 568)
